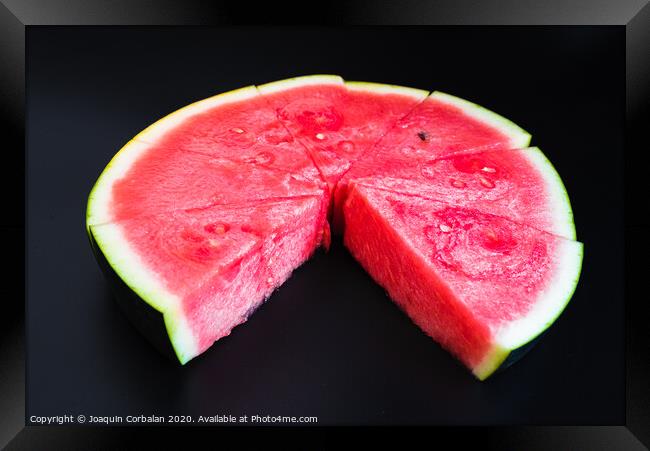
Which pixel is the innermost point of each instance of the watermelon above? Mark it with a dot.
(452, 269)
(201, 216)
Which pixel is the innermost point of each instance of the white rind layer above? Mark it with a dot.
(550, 303)
(172, 120)
(380, 88)
(559, 204)
(98, 210)
(134, 272)
(296, 82)
(519, 137)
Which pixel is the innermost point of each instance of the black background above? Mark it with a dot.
(329, 343)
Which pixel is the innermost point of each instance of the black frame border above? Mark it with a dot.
(634, 15)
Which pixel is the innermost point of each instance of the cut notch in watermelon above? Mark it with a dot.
(280, 143)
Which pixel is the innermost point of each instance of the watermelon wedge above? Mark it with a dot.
(481, 285)
(330, 116)
(442, 125)
(228, 148)
(518, 184)
(213, 265)
(199, 217)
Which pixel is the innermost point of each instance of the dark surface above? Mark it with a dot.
(328, 343)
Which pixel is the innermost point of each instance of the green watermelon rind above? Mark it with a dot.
(128, 265)
(382, 88)
(98, 199)
(520, 137)
(297, 82)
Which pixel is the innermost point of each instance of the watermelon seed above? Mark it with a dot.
(486, 182)
(264, 158)
(213, 242)
(457, 183)
(487, 169)
(237, 130)
(423, 136)
(320, 136)
(445, 228)
(269, 280)
(346, 146)
(218, 229)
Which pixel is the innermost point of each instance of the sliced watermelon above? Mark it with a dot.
(330, 116)
(479, 284)
(225, 149)
(518, 184)
(204, 213)
(439, 126)
(207, 269)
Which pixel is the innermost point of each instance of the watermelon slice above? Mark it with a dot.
(203, 214)
(481, 285)
(518, 184)
(442, 125)
(224, 162)
(206, 269)
(330, 116)
(225, 149)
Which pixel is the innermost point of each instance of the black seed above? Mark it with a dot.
(423, 136)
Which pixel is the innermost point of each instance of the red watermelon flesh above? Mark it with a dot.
(208, 153)
(330, 117)
(518, 184)
(213, 266)
(439, 126)
(479, 284)
(168, 180)
(246, 132)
